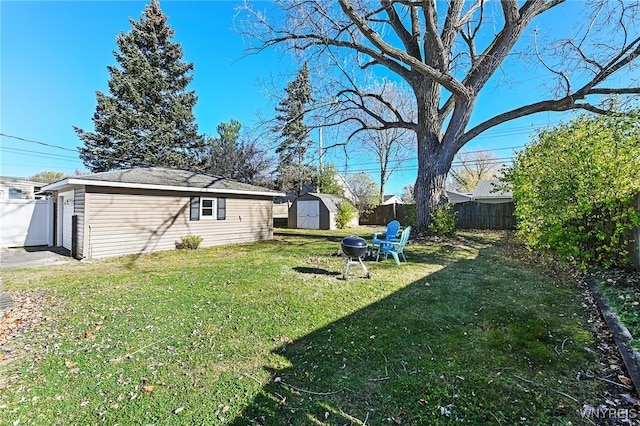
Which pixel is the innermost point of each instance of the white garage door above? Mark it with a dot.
(308, 214)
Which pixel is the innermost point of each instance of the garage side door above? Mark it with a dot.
(67, 213)
(309, 214)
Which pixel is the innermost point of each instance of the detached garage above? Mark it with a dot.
(316, 211)
(143, 210)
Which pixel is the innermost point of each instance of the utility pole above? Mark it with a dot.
(320, 160)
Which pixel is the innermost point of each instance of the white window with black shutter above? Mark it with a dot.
(207, 208)
(203, 208)
(222, 208)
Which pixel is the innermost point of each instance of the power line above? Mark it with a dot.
(76, 150)
(38, 142)
(58, 168)
(38, 154)
(44, 154)
(414, 167)
(366, 167)
(414, 158)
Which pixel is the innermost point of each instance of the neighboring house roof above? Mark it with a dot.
(162, 179)
(290, 196)
(16, 188)
(348, 192)
(486, 189)
(391, 199)
(458, 197)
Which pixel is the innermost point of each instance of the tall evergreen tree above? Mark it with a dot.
(293, 173)
(147, 117)
(230, 157)
(225, 154)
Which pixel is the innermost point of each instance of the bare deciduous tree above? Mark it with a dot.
(407, 194)
(472, 167)
(364, 191)
(389, 146)
(447, 52)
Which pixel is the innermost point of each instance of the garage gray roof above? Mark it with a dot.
(492, 188)
(162, 178)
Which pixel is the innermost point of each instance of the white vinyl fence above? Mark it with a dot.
(26, 223)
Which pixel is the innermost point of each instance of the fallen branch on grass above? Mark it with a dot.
(547, 387)
(379, 379)
(251, 377)
(308, 391)
(622, 385)
(129, 355)
(355, 419)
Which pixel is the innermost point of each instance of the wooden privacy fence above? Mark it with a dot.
(474, 215)
(384, 214)
(281, 215)
(470, 215)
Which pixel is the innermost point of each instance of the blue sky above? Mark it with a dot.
(54, 56)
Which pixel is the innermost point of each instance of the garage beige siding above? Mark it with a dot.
(135, 222)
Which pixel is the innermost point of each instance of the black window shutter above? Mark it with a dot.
(222, 208)
(194, 213)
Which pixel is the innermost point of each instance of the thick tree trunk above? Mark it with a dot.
(434, 156)
(434, 159)
(433, 166)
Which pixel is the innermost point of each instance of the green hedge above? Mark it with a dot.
(575, 189)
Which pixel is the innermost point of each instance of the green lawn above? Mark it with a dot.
(622, 291)
(269, 333)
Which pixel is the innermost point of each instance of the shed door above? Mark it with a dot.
(67, 213)
(309, 214)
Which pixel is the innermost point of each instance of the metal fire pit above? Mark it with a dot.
(354, 248)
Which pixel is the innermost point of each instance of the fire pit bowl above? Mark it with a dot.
(354, 246)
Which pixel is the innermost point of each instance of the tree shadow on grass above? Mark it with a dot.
(418, 356)
(310, 235)
(360, 367)
(314, 271)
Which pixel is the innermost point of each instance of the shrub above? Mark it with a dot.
(410, 215)
(190, 242)
(575, 188)
(443, 221)
(346, 212)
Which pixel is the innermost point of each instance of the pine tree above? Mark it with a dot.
(230, 157)
(224, 151)
(294, 134)
(147, 117)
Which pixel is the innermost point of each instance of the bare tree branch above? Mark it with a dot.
(409, 39)
(447, 53)
(561, 74)
(443, 78)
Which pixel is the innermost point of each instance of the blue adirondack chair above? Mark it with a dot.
(395, 248)
(391, 234)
